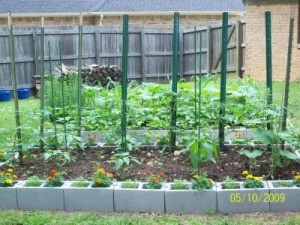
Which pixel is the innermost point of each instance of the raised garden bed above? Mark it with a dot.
(164, 200)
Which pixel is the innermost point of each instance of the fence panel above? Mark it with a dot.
(150, 50)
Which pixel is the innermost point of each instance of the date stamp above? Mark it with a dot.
(257, 198)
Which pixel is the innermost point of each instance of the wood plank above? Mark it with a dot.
(143, 55)
(35, 52)
(238, 57)
(218, 59)
(209, 50)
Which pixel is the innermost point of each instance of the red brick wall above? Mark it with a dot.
(255, 61)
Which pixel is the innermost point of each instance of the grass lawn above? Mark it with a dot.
(61, 218)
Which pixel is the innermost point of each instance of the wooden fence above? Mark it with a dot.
(150, 51)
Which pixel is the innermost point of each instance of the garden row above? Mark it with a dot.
(104, 194)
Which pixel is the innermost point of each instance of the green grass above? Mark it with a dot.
(62, 218)
(7, 110)
(294, 95)
(29, 120)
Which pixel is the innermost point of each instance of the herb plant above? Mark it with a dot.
(33, 181)
(131, 184)
(230, 183)
(80, 182)
(180, 185)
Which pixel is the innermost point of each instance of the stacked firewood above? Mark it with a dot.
(100, 74)
(93, 75)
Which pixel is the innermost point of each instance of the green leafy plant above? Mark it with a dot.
(147, 137)
(58, 156)
(201, 182)
(2, 156)
(55, 179)
(131, 144)
(80, 182)
(252, 156)
(285, 183)
(101, 178)
(230, 183)
(202, 149)
(279, 156)
(154, 180)
(33, 181)
(131, 184)
(296, 180)
(252, 181)
(180, 185)
(91, 140)
(7, 178)
(123, 161)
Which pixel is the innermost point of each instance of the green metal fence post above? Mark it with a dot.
(42, 90)
(269, 60)
(174, 80)
(288, 75)
(124, 81)
(79, 81)
(195, 81)
(199, 88)
(223, 81)
(15, 87)
(52, 96)
(63, 95)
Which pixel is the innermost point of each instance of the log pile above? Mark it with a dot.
(93, 74)
(100, 74)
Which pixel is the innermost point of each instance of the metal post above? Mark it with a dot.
(52, 96)
(288, 75)
(223, 81)
(63, 95)
(79, 81)
(124, 81)
(174, 80)
(199, 88)
(42, 90)
(269, 60)
(195, 81)
(15, 87)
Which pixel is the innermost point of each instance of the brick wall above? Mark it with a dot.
(255, 39)
(148, 20)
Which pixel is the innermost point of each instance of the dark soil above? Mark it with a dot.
(229, 163)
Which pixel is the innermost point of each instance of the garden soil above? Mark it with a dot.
(84, 164)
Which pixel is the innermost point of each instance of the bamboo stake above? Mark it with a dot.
(15, 87)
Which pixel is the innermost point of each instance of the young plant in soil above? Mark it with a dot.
(230, 183)
(280, 184)
(154, 180)
(80, 182)
(123, 161)
(296, 180)
(252, 156)
(33, 181)
(55, 179)
(131, 184)
(180, 185)
(7, 178)
(279, 157)
(101, 178)
(252, 181)
(201, 182)
(202, 148)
